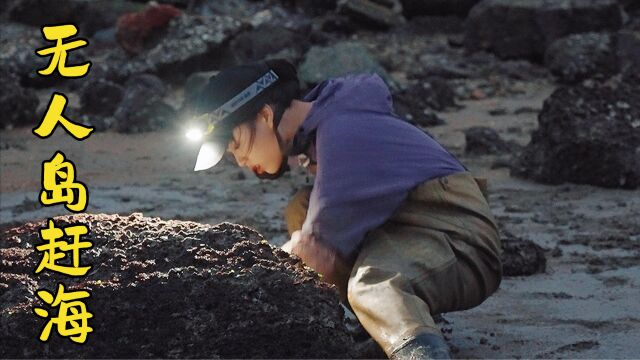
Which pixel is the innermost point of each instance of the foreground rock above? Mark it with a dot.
(587, 135)
(525, 28)
(173, 289)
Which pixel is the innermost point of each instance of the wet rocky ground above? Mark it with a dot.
(549, 114)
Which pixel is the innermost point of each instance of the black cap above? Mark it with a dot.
(223, 87)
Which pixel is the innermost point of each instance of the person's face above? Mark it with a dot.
(260, 152)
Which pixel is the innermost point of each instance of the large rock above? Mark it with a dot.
(587, 135)
(580, 56)
(628, 49)
(17, 104)
(437, 7)
(376, 14)
(172, 289)
(321, 63)
(41, 12)
(135, 28)
(142, 107)
(315, 7)
(88, 16)
(101, 97)
(189, 43)
(19, 43)
(266, 39)
(525, 28)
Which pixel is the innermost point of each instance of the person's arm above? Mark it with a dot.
(317, 255)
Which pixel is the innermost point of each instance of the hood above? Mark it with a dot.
(341, 96)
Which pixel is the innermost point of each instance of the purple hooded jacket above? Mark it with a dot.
(368, 159)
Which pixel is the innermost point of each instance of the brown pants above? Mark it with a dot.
(439, 252)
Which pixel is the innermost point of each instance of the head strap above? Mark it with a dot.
(241, 98)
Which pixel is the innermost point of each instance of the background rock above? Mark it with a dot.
(343, 58)
(191, 43)
(587, 135)
(482, 140)
(267, 39)
(17, 104)
(525, 28)
(628, 48)
(101, 97)
(417, 102)
(213, 291)
(437, 7)
(377, 14)
(133, 29)
(142, 108)
(580, 56)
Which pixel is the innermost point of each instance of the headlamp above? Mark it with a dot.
(213, 148)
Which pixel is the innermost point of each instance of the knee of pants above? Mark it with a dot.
(368, 283)
(296, 210)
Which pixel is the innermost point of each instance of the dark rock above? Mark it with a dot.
(194, 84)
(19, 43)
(481, 140)
(334, 23)
(134, 29)
(434, 93)
(379, 14)
(522, 257)
(321, 63)
(317, 8)
(433, 24)
(437, 7)
(417, 102)
(163, 289)
(630, 5)
(525, 110)
(41, 12)
(17, 104)
(190, 43)
(497, 112)
(258, 43)
(587, 135)
(580, 56)
(628, 48)
(525, 28)
(103, 14)
(142, 108)
(101, 97)
(88, 16)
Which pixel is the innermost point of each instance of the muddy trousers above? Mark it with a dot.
(439, 252)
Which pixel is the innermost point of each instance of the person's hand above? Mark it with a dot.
(321, 258)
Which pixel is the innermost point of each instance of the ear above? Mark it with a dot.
(267, 114)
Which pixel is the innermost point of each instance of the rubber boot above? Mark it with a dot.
(423, 346)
